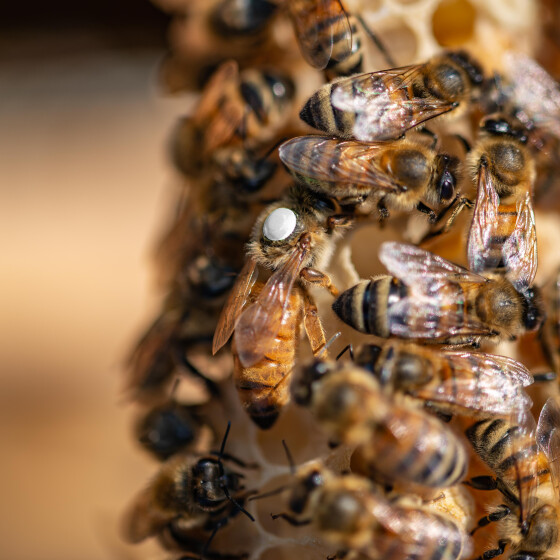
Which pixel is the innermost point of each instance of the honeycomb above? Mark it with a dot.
(207, 221)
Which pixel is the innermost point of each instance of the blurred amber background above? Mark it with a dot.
(83, 174)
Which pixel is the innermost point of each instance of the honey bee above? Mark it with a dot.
(550, 333)
(169, 428)
(190, 493)
(525, 461)
(234, 18)
(247, 107)
(329, 37)
(290, 237)
(468, 383)
(384, 105)
(352, 408)
(502, 237)
(181, 326)
(434, 300)
(350, 513)
(400, 175)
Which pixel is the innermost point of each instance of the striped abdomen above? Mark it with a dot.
(426, 536)
(504, 447)
(264, 388)
(322, 110)
(426, 452)
(385, 307)
(347, 52)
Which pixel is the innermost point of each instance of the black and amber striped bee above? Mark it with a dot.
(524, 458)
(433, 300)
(353, 408)
(383, 106)
(351, 513)
(397, 176)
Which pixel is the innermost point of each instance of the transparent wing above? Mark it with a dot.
(494, 242)
(384, 108)
(331, 159)
(236, 300)
(317, 24)
(548, 439)
(520, 249)
(260, 322)
(484, 224)
(482, 382)
(226, 75)
(524, 451)
(534, 91)
(414, 265)
(432, 308)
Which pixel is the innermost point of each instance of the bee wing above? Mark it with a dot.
(414, 265)
(260, 322)
(534, 91)
(226, 75)
(519, 250)
(234, 305)
(524, 453)
(348, 161)
(417, 530)
(481, 382)
(317, 23)
(381, 112)
(434, 291)
(548, 439)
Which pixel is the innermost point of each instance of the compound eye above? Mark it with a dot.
(280, 224)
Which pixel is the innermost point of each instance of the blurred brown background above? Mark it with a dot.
(83, 176)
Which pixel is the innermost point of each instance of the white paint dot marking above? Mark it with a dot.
(280, 224)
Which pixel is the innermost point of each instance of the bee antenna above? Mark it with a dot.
(236, 503)
(289, 456)
(274, 492)
(223, 446)
(348, 348)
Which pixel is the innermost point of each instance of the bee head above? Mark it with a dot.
(303, 388)
(446, 177)
(469, 65)
(303, 489)
(534, 312)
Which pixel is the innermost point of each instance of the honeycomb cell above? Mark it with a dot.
(453, 22)
(397, 37)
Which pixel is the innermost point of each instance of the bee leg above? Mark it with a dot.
(460, 204)
(339, 220)
(291, 520)
(489, 554)
(544, 377)
(181, 359)
(425, 210)
(432, 135)
(314, 276)
(312, 325)
(464, 142)
(383, 212)
(501, 512)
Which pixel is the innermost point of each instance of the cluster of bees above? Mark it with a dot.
(253, 247)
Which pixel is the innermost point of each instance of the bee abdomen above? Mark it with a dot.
(364, 306)
(320, 113)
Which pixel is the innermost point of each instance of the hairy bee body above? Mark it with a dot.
(396, 441)
(531, 524)
(383, 105)
(434, 300)
(349, 512)
(264, 387)
(397, 175)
